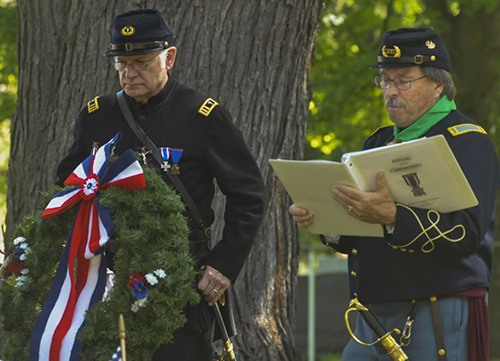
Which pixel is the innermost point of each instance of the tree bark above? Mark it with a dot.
(251, 56)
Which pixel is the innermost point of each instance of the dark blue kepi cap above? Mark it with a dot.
(407, 47)
(139, 32)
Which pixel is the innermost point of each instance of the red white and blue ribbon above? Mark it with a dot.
(165, 153)
(172, 154)
(63, 314)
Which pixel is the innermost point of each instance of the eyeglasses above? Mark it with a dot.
(138, 65)
(402, 83)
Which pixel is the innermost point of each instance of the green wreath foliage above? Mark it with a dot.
(151, 235)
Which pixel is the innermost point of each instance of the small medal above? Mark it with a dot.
(165, 166)
(175, 155)
(175, 170)
(165, 155)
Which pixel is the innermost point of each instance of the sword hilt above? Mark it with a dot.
(393, 349)
(373, 323)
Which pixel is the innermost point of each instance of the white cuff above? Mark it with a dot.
(332, 238)
(390, 229)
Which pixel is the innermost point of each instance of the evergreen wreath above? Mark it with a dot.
(154, 274)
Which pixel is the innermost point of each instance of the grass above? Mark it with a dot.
(326, 357)
(330, 357)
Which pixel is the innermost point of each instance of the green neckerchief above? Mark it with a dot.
(441, 109)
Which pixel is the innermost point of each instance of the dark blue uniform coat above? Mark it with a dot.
(213, 149)
(380, 273)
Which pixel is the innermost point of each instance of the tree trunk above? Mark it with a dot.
(252, 56)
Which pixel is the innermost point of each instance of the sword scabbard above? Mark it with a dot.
(393, 349)
(228, 345)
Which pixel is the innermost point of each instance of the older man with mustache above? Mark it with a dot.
(438, 297)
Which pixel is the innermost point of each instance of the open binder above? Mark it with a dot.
(421, 173)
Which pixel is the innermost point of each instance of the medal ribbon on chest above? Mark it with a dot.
(173, 154)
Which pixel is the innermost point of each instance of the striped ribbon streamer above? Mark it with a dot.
(63, 314)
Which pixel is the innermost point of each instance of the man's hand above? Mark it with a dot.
(301, 216)
(212, 285)
(371, 207)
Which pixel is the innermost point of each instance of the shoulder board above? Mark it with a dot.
(207, 107)
(466, 128)
(93, 105)
(380, 128)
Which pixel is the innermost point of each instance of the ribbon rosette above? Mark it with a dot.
(63, 314)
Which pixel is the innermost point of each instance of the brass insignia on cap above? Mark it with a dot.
(430, 45)
(207, 107)
(466, 128)
(391, 53)
(128, 31)
(93, 105)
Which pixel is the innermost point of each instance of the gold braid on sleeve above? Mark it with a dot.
(429, 245)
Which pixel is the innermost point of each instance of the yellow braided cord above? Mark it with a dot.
(433, 225)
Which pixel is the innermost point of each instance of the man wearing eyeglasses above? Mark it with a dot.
(438, 298)
(138, 83)
(209, 147)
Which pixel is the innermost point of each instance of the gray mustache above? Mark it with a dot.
(393, 102)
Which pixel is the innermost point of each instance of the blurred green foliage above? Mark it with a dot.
(4, 161)
(346, 106)
(8, 59)
(8, 92)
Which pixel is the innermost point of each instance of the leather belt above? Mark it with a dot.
(438, 329)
